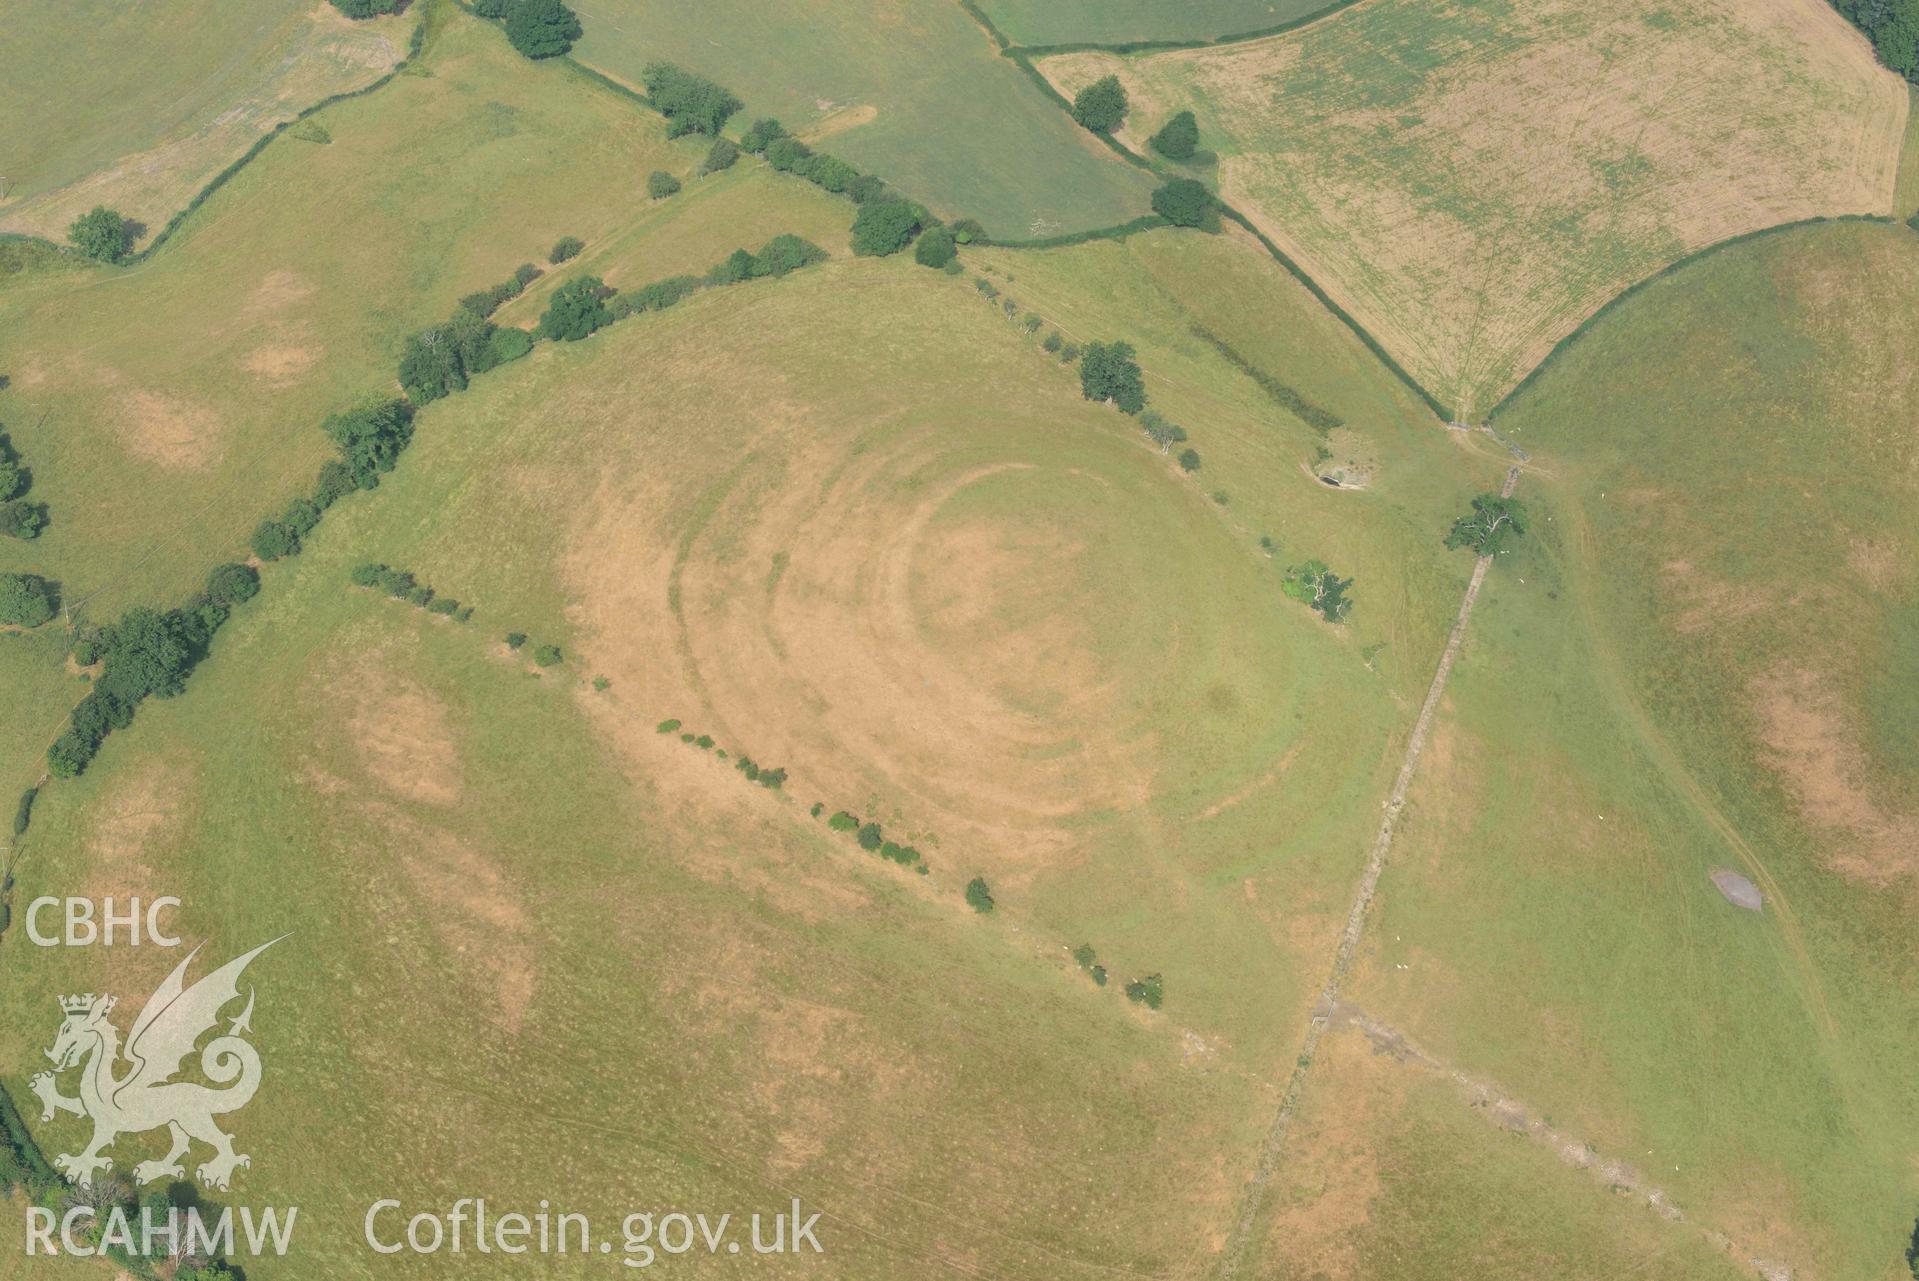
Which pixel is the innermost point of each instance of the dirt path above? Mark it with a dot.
(1355, 922)
(1672, 768)
(1512, 1115)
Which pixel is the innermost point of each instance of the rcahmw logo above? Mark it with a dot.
(146, 1096)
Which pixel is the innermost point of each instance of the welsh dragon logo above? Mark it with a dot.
(146, 1097)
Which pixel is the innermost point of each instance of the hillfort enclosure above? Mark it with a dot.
(959, 638)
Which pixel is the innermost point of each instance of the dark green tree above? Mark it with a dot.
(978, 897)
(870, 837)
(1320, 589)
(885, 227)
(432, 363)
(1107, 371)
(22, 519)
(660, 184)
(786, 253)
(1178, 138)
(1163, 433)
(335, 483)
(367, 8)
(371, 438)
(146, 653)
(1100, 106)
(737, 266)
(1893, 28)
(101, 233)
(541, 28)
(577, 309)
(273, 539)
(1185, 202)
(233, 584)
(935, 248)
(720, 155)
(26, 600)
(1148, 991)
(762, 133)
(1189, 460)
(547, 655)
(690, 103)
(788, 155)
(565, 249)
(1491, 528)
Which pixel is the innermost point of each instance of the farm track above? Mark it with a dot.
(1515, 1117)
(1349, 938)
(1673, 769)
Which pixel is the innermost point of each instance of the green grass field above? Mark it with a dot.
(768, 513)
(956, 126)
(858, 523)
(136, 105)
(1042, 22)
(1699, 662)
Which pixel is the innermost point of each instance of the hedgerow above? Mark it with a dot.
(402, 585)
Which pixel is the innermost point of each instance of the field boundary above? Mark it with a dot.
(1343, 955)
(1022, 56)
(1671, 268)
(1152, 46)
(220, 179)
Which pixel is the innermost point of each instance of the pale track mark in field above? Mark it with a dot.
(1500, 1108)
(1671, 767)
(1349, 938)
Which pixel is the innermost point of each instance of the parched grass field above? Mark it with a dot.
(953, 125)
(1473, 180)
(858, 524)
(1704, 658)
(783, 513)
(1045, 22)
(137, 105)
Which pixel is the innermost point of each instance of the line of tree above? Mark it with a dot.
(150, 653)
(886, 222)
(22, 1164)
(402, 585)
(1088, 960)
(443, 358)
(485, 302)
(147, 653)
(19, 517)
